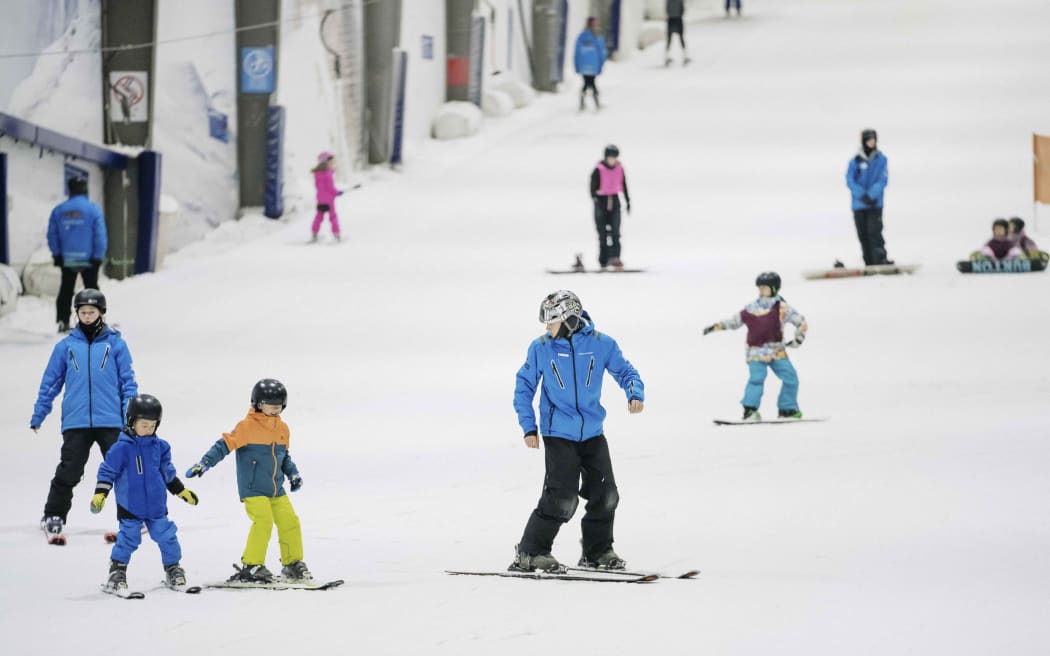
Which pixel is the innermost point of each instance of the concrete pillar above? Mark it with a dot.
(128, 75)
(257, 57)
(382, 35)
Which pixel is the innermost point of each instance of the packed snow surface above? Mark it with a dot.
(914, 521)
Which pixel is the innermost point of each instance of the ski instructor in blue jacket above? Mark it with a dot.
(589, 59)
(76, 235)
(93, 364)
(866, 177)
(567, 365)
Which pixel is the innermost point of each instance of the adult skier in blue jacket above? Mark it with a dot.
(866, 177)
(589, 58)
(93, 364)
(76, 235)
(567, 365)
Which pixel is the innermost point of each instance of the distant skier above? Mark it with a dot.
(608, 181)
(93, 364)
(590, 55)
(866, 178)
(1001, 246)
(567, 365)
(324, 182)
(765, 319)
(675, 11)
(730, 2)
(76, 235)
(260, 441)
(139, 468)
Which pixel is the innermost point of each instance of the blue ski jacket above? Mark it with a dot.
(97, 377)
(569, 373)
(867, 175)
(140, 470)
(76, 231)
(590, 53)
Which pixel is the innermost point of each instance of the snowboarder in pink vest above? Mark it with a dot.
(324, 182)
(608, 181)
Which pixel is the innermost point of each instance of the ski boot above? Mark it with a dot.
(296, 571)
(313, 238)
(118, 576)
(175, 575)
(252, 574)
(607, 560)
(790, 414)
(751, 414)
(524, 562)
(52, 525)
(577, 266)
(617, 264)
(583, 101)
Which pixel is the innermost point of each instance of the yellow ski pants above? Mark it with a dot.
(264, 513)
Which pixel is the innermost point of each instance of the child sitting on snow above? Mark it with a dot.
(1023, 241)
(1000, 246)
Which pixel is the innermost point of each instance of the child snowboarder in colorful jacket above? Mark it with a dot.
(765, 319)
(1001, 246)
(567, 365)
(324, 183)
(263, 463)
(608, 181)
(139, 468)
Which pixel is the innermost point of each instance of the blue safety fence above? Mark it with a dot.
(273, 189)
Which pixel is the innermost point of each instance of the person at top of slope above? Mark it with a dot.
(589, 58)
(261, 442)
(566, 366)
(138, 467)
(765, 318)
(608, 181)
(324, 183)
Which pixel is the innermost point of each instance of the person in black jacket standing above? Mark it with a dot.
(675, 11)
(608, 181)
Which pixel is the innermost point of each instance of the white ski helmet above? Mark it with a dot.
(560, 306)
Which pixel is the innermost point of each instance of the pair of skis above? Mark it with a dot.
(595, 575)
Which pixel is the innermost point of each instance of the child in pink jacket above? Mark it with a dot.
(326, 192)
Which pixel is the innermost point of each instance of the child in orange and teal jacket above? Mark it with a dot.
(263, 464)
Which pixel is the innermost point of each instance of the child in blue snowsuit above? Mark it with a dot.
(589, 58)
(139, 467)
(765, 319)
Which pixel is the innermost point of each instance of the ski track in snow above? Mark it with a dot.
(912, 522)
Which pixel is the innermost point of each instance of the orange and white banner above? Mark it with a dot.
(1041, 157)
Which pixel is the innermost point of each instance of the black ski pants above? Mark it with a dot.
(76, 447)
(675, 25)
(607, 221)
(65, 293)
(869, 232)
(568, 462)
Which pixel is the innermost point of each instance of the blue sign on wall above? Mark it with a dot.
(218, 126)
(257, 70)
(428, 46)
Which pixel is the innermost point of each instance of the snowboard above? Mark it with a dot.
(564, 271)
(854, 272)
(778, 420)
(1013, 265)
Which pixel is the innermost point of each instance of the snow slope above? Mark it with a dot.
(913, 522)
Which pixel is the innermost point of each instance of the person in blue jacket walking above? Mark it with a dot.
(589, 58)
(567, 365)
(139, 468)
(76, 235)
(93, 364)
(866, 177)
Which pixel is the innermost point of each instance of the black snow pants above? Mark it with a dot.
(76, 447)
(566, 462)
(65, 293)
(869, 232)
(607, 221)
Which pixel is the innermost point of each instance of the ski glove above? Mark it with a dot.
(868, 200)
(97, 502)
(197, 470)
(188, 496)
(57, 259)
(710, 329)
(295, 482)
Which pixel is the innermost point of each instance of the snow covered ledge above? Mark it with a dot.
(455, 120)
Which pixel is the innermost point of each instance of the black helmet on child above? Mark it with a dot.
(770, 279)
(612, 151)
(270, 392)
(143, 406)
(91, 297)
(77, 186)
(868, 133)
